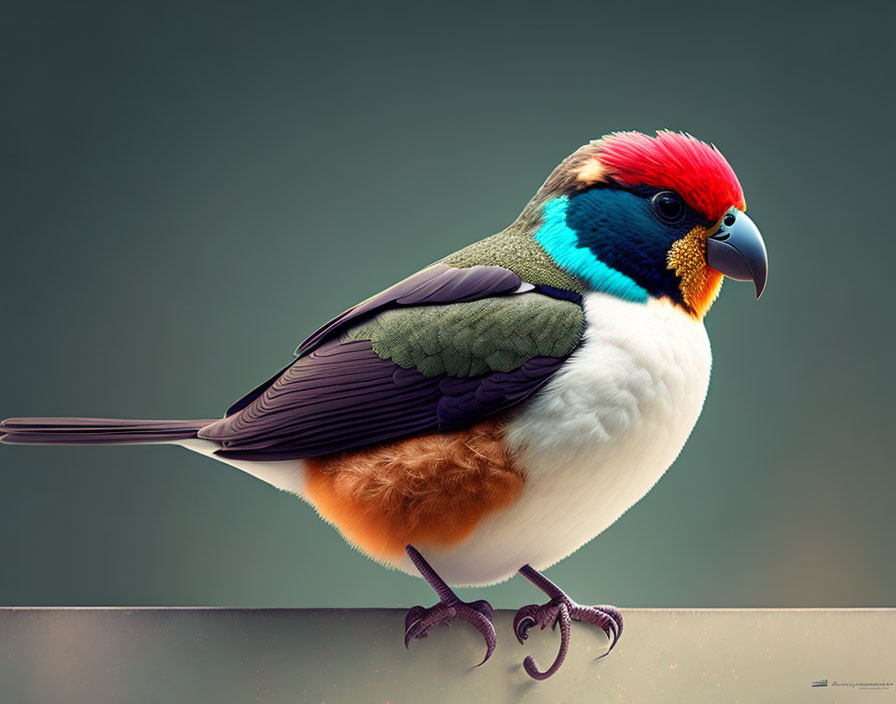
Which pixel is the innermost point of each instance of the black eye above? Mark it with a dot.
(669, 207)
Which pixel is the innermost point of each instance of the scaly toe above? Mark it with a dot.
(420, 621)
(542, 615)
(607, 618)
(562, 610)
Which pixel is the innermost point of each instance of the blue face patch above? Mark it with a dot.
(612, 239)
(562, 243)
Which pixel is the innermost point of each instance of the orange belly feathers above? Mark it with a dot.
(427, 490)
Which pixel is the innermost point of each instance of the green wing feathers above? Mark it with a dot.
(470, 339)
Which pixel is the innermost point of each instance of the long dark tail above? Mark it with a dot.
(95, 431)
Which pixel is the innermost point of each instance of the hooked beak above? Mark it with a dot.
(737, 250)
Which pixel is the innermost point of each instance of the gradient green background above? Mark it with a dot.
(188, 192)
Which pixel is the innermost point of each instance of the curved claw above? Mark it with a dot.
(414, 616)
(523, 620)
(607, 618)
(479, 614)
(529, 663)
(615, 617)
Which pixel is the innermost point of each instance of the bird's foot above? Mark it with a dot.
(563, 610)
(420, 621)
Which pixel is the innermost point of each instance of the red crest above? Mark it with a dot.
(695, 170)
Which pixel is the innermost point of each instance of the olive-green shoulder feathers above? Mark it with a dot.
(519, 252)
(468, 339)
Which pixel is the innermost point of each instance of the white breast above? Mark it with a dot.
(594, 440)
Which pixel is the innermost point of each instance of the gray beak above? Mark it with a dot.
(737, 250)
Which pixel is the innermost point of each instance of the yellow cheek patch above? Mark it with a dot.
(699, 285)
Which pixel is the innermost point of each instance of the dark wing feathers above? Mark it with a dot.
(466, 401)
(346, 391)
(434, 285)
(338, 397)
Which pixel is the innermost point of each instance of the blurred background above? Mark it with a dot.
(187, 192)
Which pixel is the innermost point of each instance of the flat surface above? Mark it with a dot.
(332, 655)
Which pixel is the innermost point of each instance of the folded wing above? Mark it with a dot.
(437, 352)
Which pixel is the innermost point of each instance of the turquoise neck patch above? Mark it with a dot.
(561, 243)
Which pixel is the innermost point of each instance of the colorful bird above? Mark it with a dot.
(500, 408)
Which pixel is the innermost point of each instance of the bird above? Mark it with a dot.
(498, 409)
